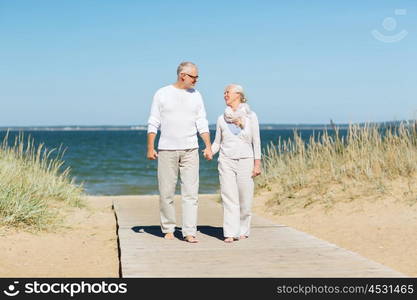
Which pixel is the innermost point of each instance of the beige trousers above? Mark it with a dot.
(187, 163)
(236, 189)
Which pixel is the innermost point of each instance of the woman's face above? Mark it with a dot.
(231, 97)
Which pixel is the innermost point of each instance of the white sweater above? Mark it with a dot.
(178, 114)
(244, 145)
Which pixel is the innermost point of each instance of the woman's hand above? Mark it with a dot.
(239, 123)
(208, 153)
(256, 168)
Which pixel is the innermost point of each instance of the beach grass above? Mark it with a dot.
(33, 184)
(329, 167)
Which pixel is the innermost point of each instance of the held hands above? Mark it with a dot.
(208, 154)
(152, 154)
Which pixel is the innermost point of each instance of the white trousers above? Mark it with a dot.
(236, 189)
(187, 163)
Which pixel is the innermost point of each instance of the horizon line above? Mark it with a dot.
(144, 127)
(265, 123)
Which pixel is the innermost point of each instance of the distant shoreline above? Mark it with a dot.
(266, 126)
(139, 128)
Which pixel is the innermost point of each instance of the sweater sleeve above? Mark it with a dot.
(201, 121)
(154, 121)
(215, 146)
(256, 137)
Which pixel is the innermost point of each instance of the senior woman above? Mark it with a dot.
(238, 140)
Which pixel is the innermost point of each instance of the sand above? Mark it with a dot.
(85, 246)
(382, 230)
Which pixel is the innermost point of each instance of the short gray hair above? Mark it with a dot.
(185, 65)
(239, 89)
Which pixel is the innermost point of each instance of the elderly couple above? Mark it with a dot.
(178, 112)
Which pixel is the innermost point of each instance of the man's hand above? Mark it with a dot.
(152, 154)
(256, 168)
(208, 154)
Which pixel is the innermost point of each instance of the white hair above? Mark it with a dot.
(239, 89)
(184, 65)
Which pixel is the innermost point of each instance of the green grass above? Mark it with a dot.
(33, 184)
(366, 157)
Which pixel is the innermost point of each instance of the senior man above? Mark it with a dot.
(178, 112)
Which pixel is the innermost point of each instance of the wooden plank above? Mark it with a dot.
(272, 250)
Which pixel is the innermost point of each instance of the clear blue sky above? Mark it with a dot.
(99, 62)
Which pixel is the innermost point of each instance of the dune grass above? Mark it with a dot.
(33, 184)
(366, 160)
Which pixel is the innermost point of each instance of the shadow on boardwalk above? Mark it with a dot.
(212, 231)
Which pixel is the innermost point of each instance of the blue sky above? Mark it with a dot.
(99, 62)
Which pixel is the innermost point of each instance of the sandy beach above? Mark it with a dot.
(86, 246)
(382, 230)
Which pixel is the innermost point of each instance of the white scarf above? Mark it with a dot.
(239, 114)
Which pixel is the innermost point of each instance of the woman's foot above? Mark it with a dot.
(243, 237)
(229, 240)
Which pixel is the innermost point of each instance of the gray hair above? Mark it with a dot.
(239, 89)
(184, 65)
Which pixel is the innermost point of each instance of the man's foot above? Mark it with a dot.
(169, 236)
(190, 239)
(229, 240)
(243, 237)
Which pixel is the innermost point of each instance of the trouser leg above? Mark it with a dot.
(230, 197)
(189, 174)
(167, 181)
(246, 188)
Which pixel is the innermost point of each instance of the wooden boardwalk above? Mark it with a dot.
(271, 251)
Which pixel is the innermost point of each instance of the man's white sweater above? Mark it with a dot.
(179, 114)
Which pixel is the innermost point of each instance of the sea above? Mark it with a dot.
(113, 162)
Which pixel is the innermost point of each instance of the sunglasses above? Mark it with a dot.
(193, 77)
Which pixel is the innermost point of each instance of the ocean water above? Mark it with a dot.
(113, 162)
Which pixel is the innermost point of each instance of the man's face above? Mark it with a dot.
(189, 77)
